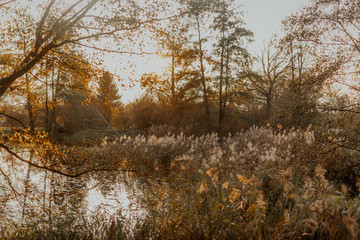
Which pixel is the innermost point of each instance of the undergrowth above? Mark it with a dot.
(257, 184)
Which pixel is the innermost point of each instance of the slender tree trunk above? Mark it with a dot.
(26, 184)
(52, 103)
(53, 115)
(44, 195)
(227, 76)
(47, 127)
(268, 106)
(269, 100)
(32, 130)
(29, 103)
(202, 69)
(173, 78)
(293, 84)
(54, 112)
(51, 197)
(221, 109)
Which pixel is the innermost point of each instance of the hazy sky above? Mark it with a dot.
(263, 17)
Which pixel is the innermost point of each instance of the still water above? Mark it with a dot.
(33, 196)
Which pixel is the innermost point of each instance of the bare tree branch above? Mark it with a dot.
(116, 51)
(3, 4)
(71, 175)
(13, 118)
(339, 109)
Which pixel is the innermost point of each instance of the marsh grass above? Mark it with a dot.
(257, 184)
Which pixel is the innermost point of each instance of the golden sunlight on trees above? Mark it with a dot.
(66, 24)
(178, 82)
(224, 143)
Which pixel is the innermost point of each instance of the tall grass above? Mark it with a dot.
(257, 184)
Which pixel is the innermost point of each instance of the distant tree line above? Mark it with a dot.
(212, 82)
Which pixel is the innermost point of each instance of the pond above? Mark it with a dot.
(29, 197)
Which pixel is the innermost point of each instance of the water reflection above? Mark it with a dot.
(110, 197)
(49, 199)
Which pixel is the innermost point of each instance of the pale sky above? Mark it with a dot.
(263, 17)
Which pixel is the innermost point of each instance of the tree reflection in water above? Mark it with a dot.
(53, 201)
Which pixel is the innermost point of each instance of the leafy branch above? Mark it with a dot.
(71, 175)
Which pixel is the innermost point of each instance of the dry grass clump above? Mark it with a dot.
(256, 184)
(222, 206)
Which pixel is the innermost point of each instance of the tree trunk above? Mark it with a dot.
(173, 78)
(32, 130)
(203, 80)
(221, 108)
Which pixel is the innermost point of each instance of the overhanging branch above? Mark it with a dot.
(75, 175)
(3, 4)
(13, 118)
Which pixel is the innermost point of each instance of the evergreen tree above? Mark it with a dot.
(108, 98)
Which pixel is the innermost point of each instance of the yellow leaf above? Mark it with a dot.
(215, 177)
(235, 194)
(202, 187)
(225, 185)
(211, 172)
(242, 179)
